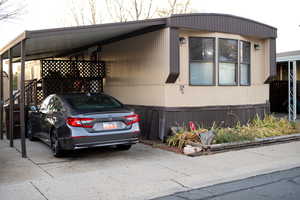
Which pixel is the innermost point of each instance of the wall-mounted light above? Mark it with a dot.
(257, 46)
(182, 40)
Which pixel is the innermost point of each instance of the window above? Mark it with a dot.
(202, 54)
(93, 102)
(245, 49)
(228, 61)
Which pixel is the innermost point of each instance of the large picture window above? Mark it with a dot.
(202, 56)
(245, 49)
(228, 61)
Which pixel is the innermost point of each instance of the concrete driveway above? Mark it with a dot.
(142, 172)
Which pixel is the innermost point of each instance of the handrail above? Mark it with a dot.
(17, 94)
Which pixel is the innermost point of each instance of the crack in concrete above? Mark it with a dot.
(41, 168)
(173, 170)
(37, 189)
(181, 184)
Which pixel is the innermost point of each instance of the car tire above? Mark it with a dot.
(123, 147)
(55, 146)
(30, 131)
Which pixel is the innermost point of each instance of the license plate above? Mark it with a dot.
(109, 125)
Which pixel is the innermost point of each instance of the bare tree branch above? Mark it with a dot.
(176, 7)
(9, 11)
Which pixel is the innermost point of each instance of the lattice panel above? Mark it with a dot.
(63, 76)
(57, 69)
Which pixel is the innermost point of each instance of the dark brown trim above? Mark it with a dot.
(222, 23)
(174, 56)
(272, 49)
(156, 121)
(22, 98)
(11, 99)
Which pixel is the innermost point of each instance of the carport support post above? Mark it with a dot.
(22, 99)
(1, 98)
(11, 100)
(295, 90)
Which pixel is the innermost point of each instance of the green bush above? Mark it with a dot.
(257, 128)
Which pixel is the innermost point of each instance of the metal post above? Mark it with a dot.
(11, 100)
(289, 90)
(22, 99)
(294, 91)
(1, 98)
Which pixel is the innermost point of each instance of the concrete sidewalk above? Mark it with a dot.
(141, 173)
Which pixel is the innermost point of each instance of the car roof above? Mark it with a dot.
(79, 94)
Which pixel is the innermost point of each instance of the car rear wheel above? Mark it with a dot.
(55, 146)
(30, 132)
(123, 147)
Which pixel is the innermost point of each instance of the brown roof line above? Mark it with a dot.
(223, 14)
(162, 21)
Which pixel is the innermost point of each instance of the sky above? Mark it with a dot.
(284, 15)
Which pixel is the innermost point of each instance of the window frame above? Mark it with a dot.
(199, 61)
(236, 74)
(240, 63)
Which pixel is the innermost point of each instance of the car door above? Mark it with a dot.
(44, 116)
(57, 112)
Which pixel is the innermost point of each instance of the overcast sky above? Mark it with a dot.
(284, 15)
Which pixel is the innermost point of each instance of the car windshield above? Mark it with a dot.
(86, 102)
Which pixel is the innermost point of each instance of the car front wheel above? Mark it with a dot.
(55, 146)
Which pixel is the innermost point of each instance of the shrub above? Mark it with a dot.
(257, 128)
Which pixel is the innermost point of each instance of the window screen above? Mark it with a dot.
(228, 61)
(202, 54)
(245, 51)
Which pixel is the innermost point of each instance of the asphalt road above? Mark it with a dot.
(276, 186)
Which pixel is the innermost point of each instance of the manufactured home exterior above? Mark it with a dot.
(207, 68)
(138, 74)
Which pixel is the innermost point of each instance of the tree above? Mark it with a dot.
(116, 10)
(84, 12)
(9, 11)
(175, 7)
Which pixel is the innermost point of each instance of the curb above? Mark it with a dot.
(259, 141)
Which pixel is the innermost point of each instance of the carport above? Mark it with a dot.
(284, 89)
(57, 43)
(147, 66)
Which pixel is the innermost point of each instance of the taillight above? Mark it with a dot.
(131, 119)
(80, 122)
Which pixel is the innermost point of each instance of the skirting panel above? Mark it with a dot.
(156, 121)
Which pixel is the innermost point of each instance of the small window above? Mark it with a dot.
(245, 49)
(228, 61)
(202, 54)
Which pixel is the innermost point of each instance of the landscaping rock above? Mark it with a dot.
(206, 138)
(188, 149)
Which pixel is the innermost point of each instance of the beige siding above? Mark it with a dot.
(137, 68)
(257, 93)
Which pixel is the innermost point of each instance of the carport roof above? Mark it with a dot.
(289, 55)
(63, 41)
